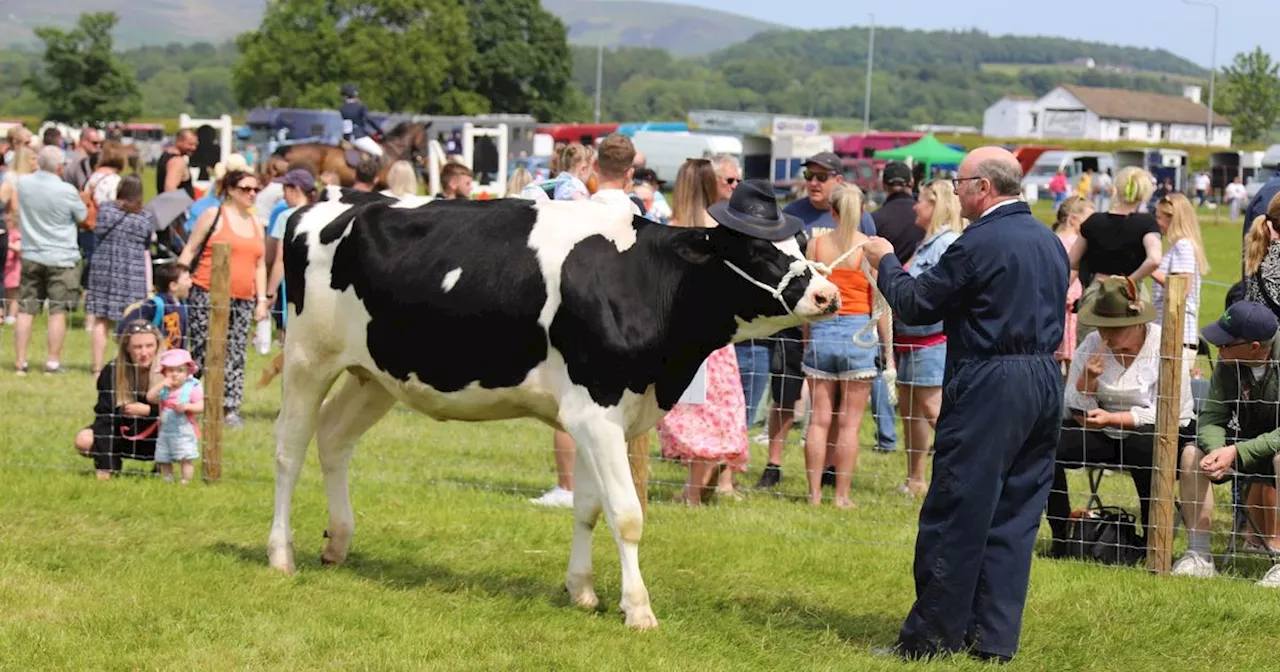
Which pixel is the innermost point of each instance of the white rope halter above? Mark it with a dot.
(864, 337)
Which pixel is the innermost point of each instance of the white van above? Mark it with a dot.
(1269, 168)
(664, 152)
(1074, 163)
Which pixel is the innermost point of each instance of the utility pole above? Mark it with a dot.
(1213, 66)
(871, 53)
(599, 75)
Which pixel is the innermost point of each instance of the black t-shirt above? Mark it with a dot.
(1115, 243)
(896, 223)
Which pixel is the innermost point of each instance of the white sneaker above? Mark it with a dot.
(1272, 578)
(556, 496)
(1195, 564)
(761, 439)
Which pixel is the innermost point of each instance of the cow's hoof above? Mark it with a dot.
(584, 598)
(282, 559)
(641, 618)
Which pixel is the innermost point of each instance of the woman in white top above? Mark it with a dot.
(402, 181)
(1181, 230)
(1110, 399)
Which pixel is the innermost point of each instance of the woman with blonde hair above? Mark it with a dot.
(1122, 241)
(402, 181)
(696, 189)
(1262, 258)
(708, 429)
(1071, 214)
(519, 179)
(922, 349)
(840, 354)
(22, 162)
(574, 163)
(1179, 226)
(122, 414)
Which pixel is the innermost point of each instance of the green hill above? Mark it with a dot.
(681, 29)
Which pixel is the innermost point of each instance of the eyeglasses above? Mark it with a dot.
(955, 181)
(820, 177)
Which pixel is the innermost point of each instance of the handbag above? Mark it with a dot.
(1105, 534)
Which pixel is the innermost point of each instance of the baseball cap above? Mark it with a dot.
(302, 179)
(1244, 321)
(897, 171)
(827, 160)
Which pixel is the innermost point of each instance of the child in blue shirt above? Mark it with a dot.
(165, 309)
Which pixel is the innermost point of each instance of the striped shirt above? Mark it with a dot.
(1181, 258)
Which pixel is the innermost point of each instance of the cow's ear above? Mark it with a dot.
(695, 246)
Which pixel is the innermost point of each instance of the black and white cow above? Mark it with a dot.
(575, 313)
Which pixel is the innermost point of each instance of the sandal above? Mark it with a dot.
(20, 369)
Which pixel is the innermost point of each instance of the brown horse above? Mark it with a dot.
(407, 141)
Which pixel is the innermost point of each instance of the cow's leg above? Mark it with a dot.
(343, 419)
(302, 391)
(603, 443)
(580, 581)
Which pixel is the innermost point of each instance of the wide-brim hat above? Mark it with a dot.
(753, 210)
(172, 359)
(1116, 304)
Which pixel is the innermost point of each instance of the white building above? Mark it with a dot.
(1072, 112)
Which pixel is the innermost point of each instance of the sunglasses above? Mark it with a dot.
(251, 190)
(731, 180)
(140, 328)
(820, 177)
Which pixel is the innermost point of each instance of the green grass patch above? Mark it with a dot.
(452, 569)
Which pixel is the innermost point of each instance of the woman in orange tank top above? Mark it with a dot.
(833, 362)
(234, 223)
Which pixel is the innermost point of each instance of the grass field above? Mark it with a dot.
(452, 569)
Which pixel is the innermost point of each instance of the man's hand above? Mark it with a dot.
(875, 249)
(1219, 462)
(1100, 418)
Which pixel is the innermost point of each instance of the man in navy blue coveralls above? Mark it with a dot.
(999, 290)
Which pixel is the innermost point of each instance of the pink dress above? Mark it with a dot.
(715, 430)
(1068, 347)
(12, 262)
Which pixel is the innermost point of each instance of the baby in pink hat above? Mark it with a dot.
(180, 398)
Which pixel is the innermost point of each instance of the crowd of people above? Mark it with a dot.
(80, 232)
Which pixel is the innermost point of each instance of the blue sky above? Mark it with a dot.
(1169, 24)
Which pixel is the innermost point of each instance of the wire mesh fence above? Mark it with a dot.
(1141, 477)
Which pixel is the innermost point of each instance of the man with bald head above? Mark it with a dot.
(999, 291)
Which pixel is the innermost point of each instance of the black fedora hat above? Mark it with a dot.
(753, 210)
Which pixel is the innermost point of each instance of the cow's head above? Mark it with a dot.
(769, 284)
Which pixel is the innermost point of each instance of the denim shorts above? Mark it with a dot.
(831, 354)
(922, 366)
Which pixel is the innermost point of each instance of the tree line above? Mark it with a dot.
(481, 56)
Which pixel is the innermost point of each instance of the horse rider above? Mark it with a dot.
(355, 121)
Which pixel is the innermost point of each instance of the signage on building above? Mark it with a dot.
(752, 123)
(1063, 123)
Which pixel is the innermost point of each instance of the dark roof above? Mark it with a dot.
(1141, 106)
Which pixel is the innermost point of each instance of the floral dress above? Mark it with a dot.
(716, 429)
(118, 267)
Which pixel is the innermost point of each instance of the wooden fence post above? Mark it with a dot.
(638, 454)
(215, 362)
(1168, 408)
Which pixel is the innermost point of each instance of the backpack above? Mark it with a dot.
(1105, 534)
(184, 397)
(156, 300)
